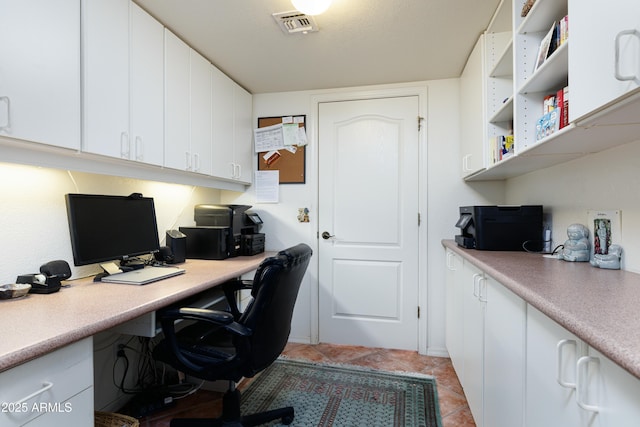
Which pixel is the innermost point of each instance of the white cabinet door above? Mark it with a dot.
(232, 130)
(177, 153)
(609, 396)
(472, 117)
(40, 71)
(223, 126)
(123, 81)
(147, 88)
(242, 135)
(200, 113)
(504, 362)
(454, 325)
(473, 282)
(604, 52)
(552, 355)
(105, 55)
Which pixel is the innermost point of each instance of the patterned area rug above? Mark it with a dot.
(339, 396)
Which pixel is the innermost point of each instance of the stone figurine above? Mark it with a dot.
(610, 260)
(577, 247)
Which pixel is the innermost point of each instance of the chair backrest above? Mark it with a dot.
(276, 286)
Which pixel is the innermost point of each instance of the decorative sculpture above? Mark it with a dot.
(610, 260)
(577, 247)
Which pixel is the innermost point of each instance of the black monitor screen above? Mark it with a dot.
(108, 228)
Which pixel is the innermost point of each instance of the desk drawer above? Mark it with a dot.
(44, 385)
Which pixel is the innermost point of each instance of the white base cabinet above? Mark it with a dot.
(485, 335)
(55, 390)
(571, 384)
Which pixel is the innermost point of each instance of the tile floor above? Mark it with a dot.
(453, 405)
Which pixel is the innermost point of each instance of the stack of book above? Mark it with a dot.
(555, 113)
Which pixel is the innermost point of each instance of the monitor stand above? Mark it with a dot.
(132, 264)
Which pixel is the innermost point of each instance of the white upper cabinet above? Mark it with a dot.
(146, 88)
(604, 58)
(223, 112)
(40, 71)
(123, 81)
(187, 107)
(472, 131)
(200, 111)
(232, 130)
(177, 102)
(242, 135)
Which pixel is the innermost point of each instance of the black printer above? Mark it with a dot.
(224, 231)
(501, 228)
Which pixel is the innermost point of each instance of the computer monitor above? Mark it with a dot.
(108, 228)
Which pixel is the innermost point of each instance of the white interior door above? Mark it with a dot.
(368, 221)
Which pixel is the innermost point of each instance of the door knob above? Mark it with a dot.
(326, 235)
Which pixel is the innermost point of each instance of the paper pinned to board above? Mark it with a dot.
(268, 138)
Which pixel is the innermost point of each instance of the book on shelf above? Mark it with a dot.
(543, 50)
(557, 35)
(501, 147)
(555, 113)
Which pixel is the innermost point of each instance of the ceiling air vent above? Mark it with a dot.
(295, 22)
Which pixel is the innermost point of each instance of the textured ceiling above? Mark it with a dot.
(360, 42)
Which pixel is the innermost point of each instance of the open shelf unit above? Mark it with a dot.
(515, 89)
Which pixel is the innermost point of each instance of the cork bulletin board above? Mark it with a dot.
(291, 165)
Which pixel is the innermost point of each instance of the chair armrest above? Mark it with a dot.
(216, 317)
(230, 288)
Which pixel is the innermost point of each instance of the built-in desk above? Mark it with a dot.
(39, 324)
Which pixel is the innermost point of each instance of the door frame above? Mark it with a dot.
(354, 94)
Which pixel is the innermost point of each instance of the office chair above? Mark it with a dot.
(218, 346)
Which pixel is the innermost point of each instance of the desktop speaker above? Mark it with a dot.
(177, 243)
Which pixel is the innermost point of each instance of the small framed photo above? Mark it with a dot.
(604, 230)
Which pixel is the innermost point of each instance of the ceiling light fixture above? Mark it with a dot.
(311, 7)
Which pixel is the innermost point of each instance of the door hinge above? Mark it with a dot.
(420, 120)
(418, 312)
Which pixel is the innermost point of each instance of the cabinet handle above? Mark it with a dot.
(188, 160)
(465, 163)
(559, 352)
(7, 126)
(581, 382)
(239, 168)
(196, 162)
(476, 291)
(125, 146)
(139, 146)
(233, 170)
(45, 386)
(619, 36)
(482, 284)
(450, 265)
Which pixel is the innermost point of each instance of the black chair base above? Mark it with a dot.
(231, 415)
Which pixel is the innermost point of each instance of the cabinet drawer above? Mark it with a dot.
(42, 386)
(77, 411)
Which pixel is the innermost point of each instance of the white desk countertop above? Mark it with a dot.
(599, 306)
(37, 324)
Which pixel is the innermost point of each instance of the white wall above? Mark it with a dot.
(34, 217)
(445, 193)
(608, 180)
